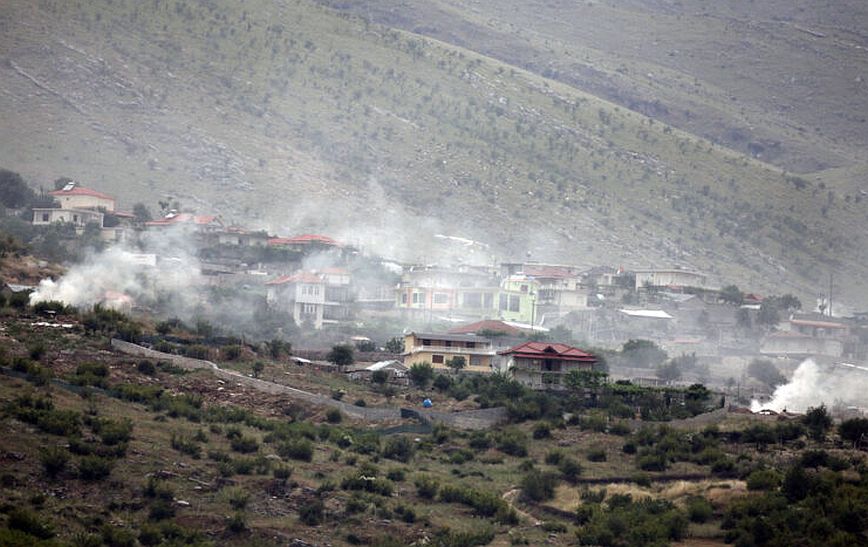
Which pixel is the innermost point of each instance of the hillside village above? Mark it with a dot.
(316, 291)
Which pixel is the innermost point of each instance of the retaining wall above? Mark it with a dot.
(470, 419)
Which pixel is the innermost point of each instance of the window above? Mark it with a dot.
(418, 297)
(524, 288)
(44, 217)
(488, 300)
(441, 298)
(308, 309)
(437, 359)
(476, 360)
(504, 302)
(514, 303)
(403, 298)
(75, 218)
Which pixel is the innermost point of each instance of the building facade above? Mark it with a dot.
(439, 349)
(541, 365)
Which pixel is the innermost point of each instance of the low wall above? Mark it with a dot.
(470, 419)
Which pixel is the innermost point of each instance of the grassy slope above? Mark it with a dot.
(293, 115)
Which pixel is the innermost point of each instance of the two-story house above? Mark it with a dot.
(314, 298)
(543, 365)
(439, 349)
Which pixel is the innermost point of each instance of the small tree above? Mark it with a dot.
(379, 377)
(818, 421)
(854, 430)
(457, 363)
(421, 374)
(341, 355)
(765, 371)
(142, 213)
(732, 295)
(395, 345)
(258, 367)
(669, 372)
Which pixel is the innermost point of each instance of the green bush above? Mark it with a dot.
(282, 472)
(312, 513)
(333, 416)
(596, 455)
(399, 448)
(30, 523)
(244, 444)
(147, 368)
(542, 431)
(538, 486)
(427, 486)
(512, 441)
(94, 468)
(570, 469)
(699, 509)
(237, 497)
(299, 449)
(54, 460)
(113, 432)
(186, 445)
(374, 485)
(764, 479)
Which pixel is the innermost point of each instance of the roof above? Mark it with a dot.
(817, 324)
(450, 337)
(182, 218)
(490, 325)
(80, 191)
(556, 272)
(380, 365)
(298, 277)
(304, 239)
(653, 314)
(563, 352)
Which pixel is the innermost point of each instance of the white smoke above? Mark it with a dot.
(167, 273)
(813, 385)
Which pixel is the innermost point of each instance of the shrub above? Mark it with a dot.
(312, 513)
(699, 509)
(764, 479)
(236, 497)
(334, 416)
(282, 472)
(480, 440)
(94, 468)
(399, 448)
(620, 429)
(237, 523)
(421, 374)
(542, 431)
(596, 455)
(54, 460)
(244, 444)
(629, 448)
(147, 368)
(37, 351)
(367, 483)
(299, 449)
(538, 486)
(29, 522)
(186, 445)
(113, 432)
(231, 353)
(427, 486)
(570, 469)
(360, 402)
(554, 457)
(512, 441)
(161, 509)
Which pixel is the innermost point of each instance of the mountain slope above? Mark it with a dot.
(290, 115)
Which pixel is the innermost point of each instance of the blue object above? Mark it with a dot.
(427, 403)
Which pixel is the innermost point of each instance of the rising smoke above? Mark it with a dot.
(812, 385)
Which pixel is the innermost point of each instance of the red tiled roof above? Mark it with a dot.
(298, 277)
(545, 350)
(304, 239)
(81, 191)
(123, 214)
(490, 325)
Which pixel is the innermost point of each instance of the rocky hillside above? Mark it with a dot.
(290, 114)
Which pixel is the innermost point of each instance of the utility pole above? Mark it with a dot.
(831, 277)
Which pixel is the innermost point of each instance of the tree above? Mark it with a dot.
(768, 313)
(669, 372)
(732, 295)
(742, 318)
(766, 372)
(60, 182)
(643, 353)
(395, 345)
(379, 377)
(421, 374)
(142, 213)
(818, 421)
(854, 430)
(14, 192)
(457, 363)
(341, 355)
(258, 367)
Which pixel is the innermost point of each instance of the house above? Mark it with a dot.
(236, 236)
(543, 365)
(75, 196)
(798, 345)
(77, 217)
(465, 291)
(673, 278)
(439, 349)
(319, 298)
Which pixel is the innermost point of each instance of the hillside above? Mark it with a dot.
(290, 115)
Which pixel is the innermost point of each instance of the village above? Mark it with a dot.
(480, 316)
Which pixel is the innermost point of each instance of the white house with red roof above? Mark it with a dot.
(543, 365)
(304, 242)
(75, 196)
(318, 298)
(81, 206)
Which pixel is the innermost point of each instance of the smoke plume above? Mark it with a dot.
(813, 385)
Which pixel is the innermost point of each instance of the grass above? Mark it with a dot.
(335, 101)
